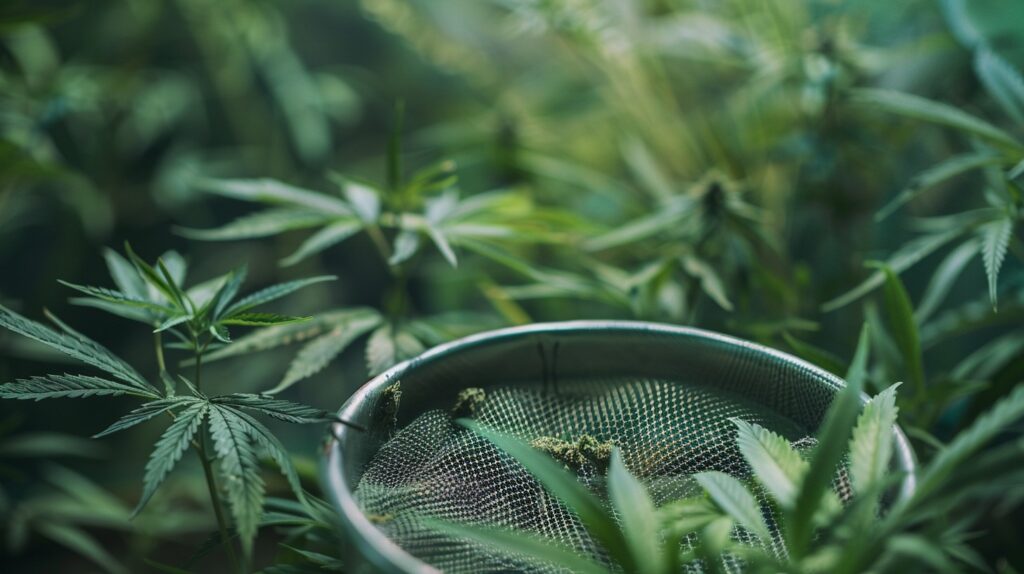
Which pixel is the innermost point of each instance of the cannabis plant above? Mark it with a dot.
(401, 218)
(220, 427)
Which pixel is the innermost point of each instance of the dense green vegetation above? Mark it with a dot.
(785, 171)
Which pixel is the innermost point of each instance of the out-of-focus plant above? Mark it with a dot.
(402, 218)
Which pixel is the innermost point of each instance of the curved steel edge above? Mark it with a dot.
(388, 557)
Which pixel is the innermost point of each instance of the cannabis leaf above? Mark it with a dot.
(239, 466)
(995, 241)
(777, 465)
(170, 448)
(871, 445)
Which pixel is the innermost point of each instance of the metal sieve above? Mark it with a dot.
(662, 393)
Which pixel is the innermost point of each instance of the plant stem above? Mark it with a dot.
(218, 508)
(211, 477)
(158, 343)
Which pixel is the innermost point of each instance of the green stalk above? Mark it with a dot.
(211, 478)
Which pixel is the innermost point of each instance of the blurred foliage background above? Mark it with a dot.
(713, 163)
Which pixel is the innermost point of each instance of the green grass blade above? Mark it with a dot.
(833, 438)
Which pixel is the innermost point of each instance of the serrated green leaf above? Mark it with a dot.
(117, 297)
(275, 192)
(171, 322)
(776, 464)
(1002, 81)
(733, 497)
(871, 445)
(68, 386)
(146, 412)
(239, 466)
(75, 345)
(276, 408)
(226, 293)
(275, 292)
(262, 437)
(262, 319)
(221, 333)
(152, 278)
(327, 237)
(316, 354)
(169, 449)
(919, 108)
(123, 311)
(260, 224)
(272, 337)
(173, 282)
(638, 517)
(995, 242)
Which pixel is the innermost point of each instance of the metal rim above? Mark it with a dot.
(387, 556)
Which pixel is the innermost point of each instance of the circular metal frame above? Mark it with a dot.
(347, 453)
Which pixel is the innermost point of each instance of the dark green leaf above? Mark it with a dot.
(146, 412)
(275, 292)
(262, 319)
(75, 345)
(316, 354)
(261, 224)
(239, 465)
(68, 386)
(277, 408)
(169, 449)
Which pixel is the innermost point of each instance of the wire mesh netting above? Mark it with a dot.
(667, 430)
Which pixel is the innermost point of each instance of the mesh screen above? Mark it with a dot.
(666, 430)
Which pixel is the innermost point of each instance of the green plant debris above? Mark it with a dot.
(468, 402)
(380, 518)
(391, 398)
(576, 456)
